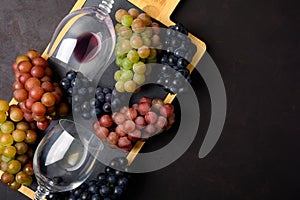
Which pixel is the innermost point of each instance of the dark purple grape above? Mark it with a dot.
(94, 189)
(109, 170)
(118, 191)
(86, 195)
(182, 63)
(71, 75)
(96, 197)
(111, 179)
(123, 181)
(85, 106)
(101, 97)
(106, 107)
(82, 91)
(101, 178)
(65, 83)
(75, 82)
(106, 90)
(108, 97)
(104, 190)
(86, 115)
(77, 192)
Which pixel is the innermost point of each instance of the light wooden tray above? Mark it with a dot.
(161, 11)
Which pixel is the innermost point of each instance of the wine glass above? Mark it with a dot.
(84, 40)
(62, 160)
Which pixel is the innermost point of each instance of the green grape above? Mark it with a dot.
(13, 166)
(2, 117)
(119, 40)
(24, 158)
(1, 149)
(126, 20)
(4, 105)
(7, 127)
(117, 75)
(144, 51)
(147, 41)
(119, 62)
(126, 75)
(147, 33)
(5, 159)
(6, 139)
(153, 54)
(119, 86)
(125, 46)
(136, 41)
(127, 64)
(14, 185)
(130, 86)
(22, 177)
(119, 53)
(139, 68)
(22, 125)
(19, 135)
(9, 151)
(125, 32)
(21, 148)
(133, 56)
(117, 27)
(3, 166)
(139, 78)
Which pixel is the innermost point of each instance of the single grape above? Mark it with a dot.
(126, 20)
(4, 105)
(7, 127)
(139, 68)
(7, 178)
(136, 41)
(130, 86)
(126, 75)
(127, 64)
(133, 56)
(2, 117)
(13, 166)
(139, 78)
(21, 148)
(144, 51)
(119, 14)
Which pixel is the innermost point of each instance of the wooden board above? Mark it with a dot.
(161, 11)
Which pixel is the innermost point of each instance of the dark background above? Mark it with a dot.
(255, 45)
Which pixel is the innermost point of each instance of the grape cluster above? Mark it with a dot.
(141, 121)
(137, 41)
(88, 100)
(39, 96)
(109, 185)
(16, 151)
(176, 56)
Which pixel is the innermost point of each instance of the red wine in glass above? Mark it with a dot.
(87, 46)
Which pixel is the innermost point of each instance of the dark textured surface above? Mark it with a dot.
(256, 47)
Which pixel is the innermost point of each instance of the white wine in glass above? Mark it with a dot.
(61, 162)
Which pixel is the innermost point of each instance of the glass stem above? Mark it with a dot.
(41, 193)
(106, 6)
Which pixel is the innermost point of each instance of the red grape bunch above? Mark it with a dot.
(138, 122)
(39, 97)
(16, 151)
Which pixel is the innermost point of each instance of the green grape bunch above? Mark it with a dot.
(137, 44)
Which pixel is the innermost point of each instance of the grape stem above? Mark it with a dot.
(106, 6)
